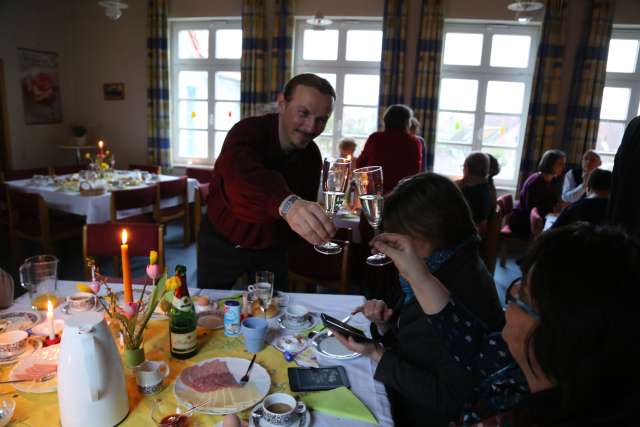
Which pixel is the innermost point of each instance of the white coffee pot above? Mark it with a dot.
(91, 384)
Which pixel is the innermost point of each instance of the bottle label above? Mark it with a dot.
(184, 343)
(183, 304)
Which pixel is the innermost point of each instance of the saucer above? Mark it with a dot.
(312, 320)
(304, 420)
(290, 343)
(19, 320)
(330, 347)
(33, 344)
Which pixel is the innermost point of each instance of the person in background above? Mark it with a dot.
(346, 149)
(593, 207)
(576, 179)
(569, 331)
(414, 130)
(475, 187)
(494, 170)
(264, 185)
(425, 385)
(540, 191)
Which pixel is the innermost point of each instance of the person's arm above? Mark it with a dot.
(363, 158)
(570, 191)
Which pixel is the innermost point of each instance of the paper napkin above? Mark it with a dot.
(339, 402)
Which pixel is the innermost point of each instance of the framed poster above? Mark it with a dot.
(113, 91)
(40, 83)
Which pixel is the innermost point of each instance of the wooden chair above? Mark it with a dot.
(489, 243)
(203, 176)
(146, 168)
(30, 219)
(65, 170)
(308, 267)
(13, 175)
(138, 198)
(103, 240)
(169, 190)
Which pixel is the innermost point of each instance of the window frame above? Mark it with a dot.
(340, 67)
(211, 65)
(484, 73)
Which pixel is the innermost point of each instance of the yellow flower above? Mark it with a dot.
(87, 156)
(107, 152)
(84, 288)
(172, 283)
(104, 165)
(153, 257)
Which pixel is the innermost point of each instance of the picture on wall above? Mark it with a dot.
(113, 91)
(40, 82)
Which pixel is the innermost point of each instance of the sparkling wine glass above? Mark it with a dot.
(263, 289)
(369, 183)
(335, 177)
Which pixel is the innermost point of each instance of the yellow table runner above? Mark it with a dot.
(42, 409)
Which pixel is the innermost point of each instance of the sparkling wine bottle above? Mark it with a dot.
(182, 320)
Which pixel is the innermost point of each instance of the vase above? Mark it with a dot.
(133, 356)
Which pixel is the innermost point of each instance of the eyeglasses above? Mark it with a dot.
(513, 297)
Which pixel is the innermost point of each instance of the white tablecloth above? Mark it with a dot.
(96, 209)
(359, 370)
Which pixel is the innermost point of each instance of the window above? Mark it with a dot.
(347, 54)
(621, 96)
(205, 87)
(484, 95)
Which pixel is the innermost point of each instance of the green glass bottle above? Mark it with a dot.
(182, 320)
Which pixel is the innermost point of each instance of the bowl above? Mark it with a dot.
(7, 407)
(167, 413)
(13, 343)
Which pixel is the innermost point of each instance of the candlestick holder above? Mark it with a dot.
(48, 341)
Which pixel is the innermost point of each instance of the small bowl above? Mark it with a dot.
(7, 407)
(163, 408)
(13, 343)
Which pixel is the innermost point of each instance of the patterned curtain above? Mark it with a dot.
(427, 80)
(589, 73)
(542, 119)
(281, 47)
(394, 40)
(253, 93)
(158, 143)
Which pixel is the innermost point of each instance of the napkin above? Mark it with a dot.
(339, 402)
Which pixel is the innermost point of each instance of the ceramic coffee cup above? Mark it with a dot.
(296, 314)
(281, 409)
(13, 343)
(81, 301)
(150, 375)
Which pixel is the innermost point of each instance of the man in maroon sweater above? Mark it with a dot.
(265, 183)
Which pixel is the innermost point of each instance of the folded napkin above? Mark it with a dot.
(339, 402)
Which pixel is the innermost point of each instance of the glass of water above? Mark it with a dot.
(262, 289)
(335, 178)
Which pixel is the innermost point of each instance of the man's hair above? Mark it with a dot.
(347, 144)
(590, 153)
(397, 116)
(430, 207)
(494, 166)
(549, 159)
(477, 164)
(310, 80)
(600, 180)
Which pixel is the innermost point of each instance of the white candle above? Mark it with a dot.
(52, 331)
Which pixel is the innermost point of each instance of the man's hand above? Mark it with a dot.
(371, 350)
(377, 312)
(310, 222)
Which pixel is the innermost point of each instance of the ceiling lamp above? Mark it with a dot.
(525, 6)
(113, 8)
(319, 21)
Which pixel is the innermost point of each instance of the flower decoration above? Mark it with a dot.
(173, 283)
(128, 310)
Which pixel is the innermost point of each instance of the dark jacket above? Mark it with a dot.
(478, 198)
(425, 383)
(592, 210)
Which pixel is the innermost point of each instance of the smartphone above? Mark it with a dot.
(314, 379)
(342, 328)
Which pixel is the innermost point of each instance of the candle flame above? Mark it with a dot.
(348, 156)
(100, 144)
(49, 306)
(124, 236)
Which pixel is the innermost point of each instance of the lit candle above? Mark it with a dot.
(101, 146)
(52, 331)
(126, 272)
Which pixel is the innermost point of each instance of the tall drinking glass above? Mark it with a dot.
(262, 290)
(39, 276)
(369, 183)
(335, 177)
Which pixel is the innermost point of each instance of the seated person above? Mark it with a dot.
(569, 332)
(422, 380)
(575, 180)
(346, 148)
(494, 169)
(475, 187)
(592, 208)
(539, 191)
(414, 129)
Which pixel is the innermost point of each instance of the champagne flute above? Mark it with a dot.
(263, 289)
(369, 183)
(335, 177)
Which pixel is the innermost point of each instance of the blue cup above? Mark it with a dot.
(254, 329)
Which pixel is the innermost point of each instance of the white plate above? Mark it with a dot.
(33, 344)
(304, 420)
(45, 356)
(290, 343)
(42, 329)
(312, 320)
(228, 400)
(329, 346)
(19, 320)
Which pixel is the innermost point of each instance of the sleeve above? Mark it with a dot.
(363, 159)
(570, 192)
(539, 197)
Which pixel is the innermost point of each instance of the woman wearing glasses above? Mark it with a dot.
(571, 331)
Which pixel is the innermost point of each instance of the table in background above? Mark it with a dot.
(42, 409)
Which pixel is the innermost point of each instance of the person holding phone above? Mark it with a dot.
(422, 380)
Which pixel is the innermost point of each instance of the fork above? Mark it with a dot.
(35, 380)
(245, 378)
(345, 320)
(328, 333)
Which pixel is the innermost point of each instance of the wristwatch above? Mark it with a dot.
(286, 205)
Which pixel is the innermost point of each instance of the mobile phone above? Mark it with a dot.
(342, 328)
(313, 379)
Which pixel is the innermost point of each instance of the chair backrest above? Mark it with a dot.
(66, 170)
(173, 188)
(146, 168)
(537, 222)
(16, 174)
(28, 210)
(132, 199)
(505, 203)
(489, 244)
(203, 175)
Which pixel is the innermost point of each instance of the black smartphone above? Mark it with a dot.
(342, 328)
(314, 379)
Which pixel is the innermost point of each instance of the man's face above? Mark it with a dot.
(590, 161)
(303, 117)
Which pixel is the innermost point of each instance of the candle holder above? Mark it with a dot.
(48, 341)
